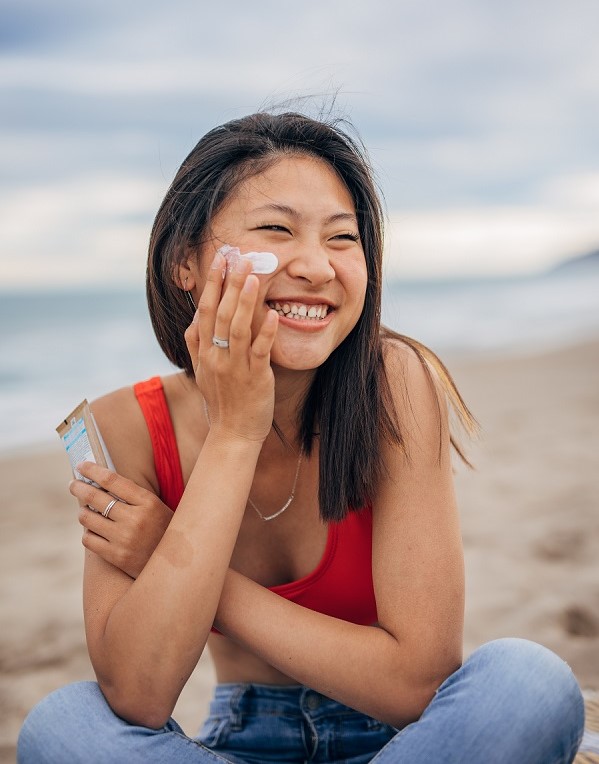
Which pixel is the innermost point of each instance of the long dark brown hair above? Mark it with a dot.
(349, 405)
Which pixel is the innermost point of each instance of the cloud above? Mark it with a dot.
(500, 239)
(576, 192)
(87, 232)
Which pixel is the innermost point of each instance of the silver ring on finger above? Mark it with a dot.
(109, 506)
(220, 343)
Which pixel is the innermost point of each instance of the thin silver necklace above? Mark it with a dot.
(291, 496)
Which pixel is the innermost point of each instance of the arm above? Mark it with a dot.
(146, 636)
(390, 671)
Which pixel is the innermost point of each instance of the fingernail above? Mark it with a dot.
(196, 317)
(217, 262)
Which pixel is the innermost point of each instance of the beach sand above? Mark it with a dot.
(530, 524)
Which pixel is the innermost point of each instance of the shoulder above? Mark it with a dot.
(402, 356)
(416, 391)
(125, 432)
(413, 379)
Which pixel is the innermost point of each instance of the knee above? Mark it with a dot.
(533, 680)
(525, 664)
(55, 720)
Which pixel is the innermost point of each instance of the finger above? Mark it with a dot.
(209, 301)
(228, 304)
(95, 543)
(111, 482)
(85, 493)
(96, 499)
(262, 345)
(100, 546)
(240, 330)
(95, 523)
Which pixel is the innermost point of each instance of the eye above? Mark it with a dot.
(348, 236)
(273, 227)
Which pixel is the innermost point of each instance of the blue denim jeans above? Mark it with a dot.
(512, 702)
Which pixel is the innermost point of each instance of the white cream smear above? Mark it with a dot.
(262, 262)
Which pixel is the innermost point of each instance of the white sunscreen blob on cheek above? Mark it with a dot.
(262, 262)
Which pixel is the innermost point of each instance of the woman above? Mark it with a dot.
(307, 454)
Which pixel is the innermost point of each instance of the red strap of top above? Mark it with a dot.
(152, 401)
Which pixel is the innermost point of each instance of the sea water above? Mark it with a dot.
(57, 348)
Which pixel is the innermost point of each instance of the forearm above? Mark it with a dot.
(155, 633)
(365, 667)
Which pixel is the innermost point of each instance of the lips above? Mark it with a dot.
(300, 311)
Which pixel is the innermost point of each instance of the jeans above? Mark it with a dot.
(512, 701)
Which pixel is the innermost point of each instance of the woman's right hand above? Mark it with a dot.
(237, 382)
(128, 537)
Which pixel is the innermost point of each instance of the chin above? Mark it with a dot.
(300, 360)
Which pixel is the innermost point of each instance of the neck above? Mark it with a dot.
(290, 390)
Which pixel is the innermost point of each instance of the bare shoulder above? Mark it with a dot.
(125, 432)
(417, 394)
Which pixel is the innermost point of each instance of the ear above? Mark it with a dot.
(187, 272)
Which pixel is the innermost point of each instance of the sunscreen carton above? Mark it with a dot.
(82, 440)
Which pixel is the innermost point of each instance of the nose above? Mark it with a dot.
(311, 262)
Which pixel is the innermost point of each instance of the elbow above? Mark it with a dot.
(135, 707)
(432, 685)
(399, 714)
(430, 688)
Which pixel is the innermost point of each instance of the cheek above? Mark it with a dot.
(354, 277)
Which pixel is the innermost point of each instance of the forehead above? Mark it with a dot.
(303, 183)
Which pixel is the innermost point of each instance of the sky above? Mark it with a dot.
(481, 119)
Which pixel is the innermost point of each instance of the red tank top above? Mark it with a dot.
(340, 585)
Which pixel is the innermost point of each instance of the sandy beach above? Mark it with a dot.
(530, 527)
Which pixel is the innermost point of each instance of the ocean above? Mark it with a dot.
(57, 348)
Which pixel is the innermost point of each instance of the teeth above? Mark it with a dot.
(300, 312)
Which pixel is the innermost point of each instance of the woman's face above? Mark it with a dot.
(301, 211)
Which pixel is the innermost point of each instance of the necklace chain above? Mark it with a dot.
(294, 486)
(287, 503)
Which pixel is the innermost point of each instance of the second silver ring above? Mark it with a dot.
(220, 343)
(109, 506)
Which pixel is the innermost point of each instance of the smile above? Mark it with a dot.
(300, 311)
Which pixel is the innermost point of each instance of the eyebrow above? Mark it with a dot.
(285, 210)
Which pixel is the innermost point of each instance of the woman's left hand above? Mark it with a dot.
(136, 522)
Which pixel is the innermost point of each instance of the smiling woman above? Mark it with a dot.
(315, 548)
